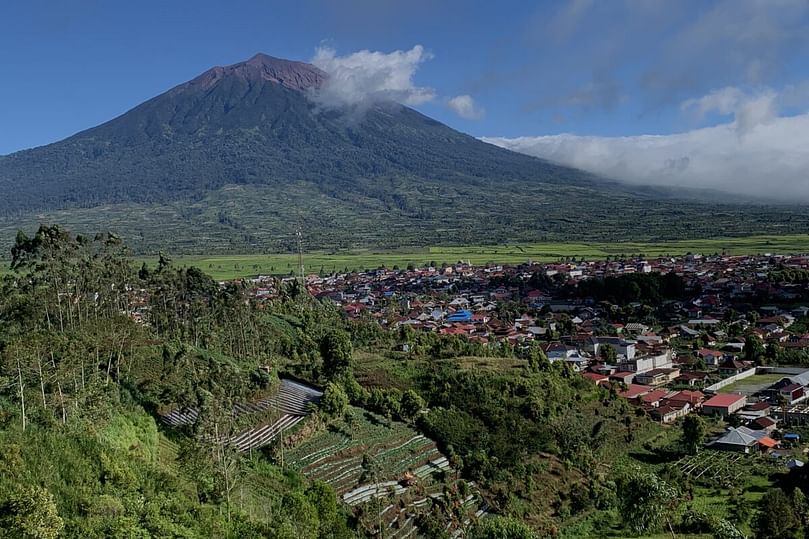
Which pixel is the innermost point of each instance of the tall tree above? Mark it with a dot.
(335, 349)
(607, 353)
(335, 401)
(753, 348)
(645, 501)
(693, 432)
(776, 518)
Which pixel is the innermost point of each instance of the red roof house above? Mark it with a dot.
(724, 404)
(597, 378)
(634, 391)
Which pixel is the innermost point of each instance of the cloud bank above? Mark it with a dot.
(363, 78)
(759, 153)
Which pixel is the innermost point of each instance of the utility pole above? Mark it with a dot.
(299, 235)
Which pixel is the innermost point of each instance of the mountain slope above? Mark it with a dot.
(203, 153)
(250, 123)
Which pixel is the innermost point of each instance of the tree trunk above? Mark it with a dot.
(62, 402)
(22, 392)
(41, 382)
(109, 366)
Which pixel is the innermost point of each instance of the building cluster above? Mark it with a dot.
(669, 358)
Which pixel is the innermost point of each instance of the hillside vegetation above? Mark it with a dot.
(87, 393)
(142, 404)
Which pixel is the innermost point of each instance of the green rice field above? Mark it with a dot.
(234, 266)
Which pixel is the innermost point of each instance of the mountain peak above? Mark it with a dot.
(263, 67)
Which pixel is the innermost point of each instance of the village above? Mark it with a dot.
(730, 347)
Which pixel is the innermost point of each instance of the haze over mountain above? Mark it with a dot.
(241, 155)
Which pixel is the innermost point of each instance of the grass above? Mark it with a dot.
(752, 384)
(394, 370)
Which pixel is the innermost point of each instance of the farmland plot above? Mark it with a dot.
(280, 412)
(715, 467)
(385, 467)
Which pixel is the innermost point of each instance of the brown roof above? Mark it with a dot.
(758, 406)
(764, 422)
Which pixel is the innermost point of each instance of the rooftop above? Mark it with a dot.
(725, 400)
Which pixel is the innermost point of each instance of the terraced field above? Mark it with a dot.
(375, 465)
(286, 408)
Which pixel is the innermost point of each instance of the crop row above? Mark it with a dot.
(292, 398)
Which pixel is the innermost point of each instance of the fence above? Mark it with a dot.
(730, 380)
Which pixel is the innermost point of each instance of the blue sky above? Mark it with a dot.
(601, 69)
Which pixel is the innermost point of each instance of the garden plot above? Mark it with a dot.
(366, 459)
(293, 401)
(715, 467)
(336, 456)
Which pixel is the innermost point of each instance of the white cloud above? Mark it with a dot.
(465, 107)
(363, 78)
(749, 110)
(758, 154)
(724, 101)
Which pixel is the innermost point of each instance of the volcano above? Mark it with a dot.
(242, 155)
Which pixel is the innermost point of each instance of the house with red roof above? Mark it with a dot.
(598, 379)
(653, 398)
(634, 391)
(724, 404)
(766, 424)
(732, 367)
(669, 411)
(693, 398)
(710, 357)
(691, 378)
(757, 409)
(791, 392)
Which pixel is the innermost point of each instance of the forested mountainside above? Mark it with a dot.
(240, 156)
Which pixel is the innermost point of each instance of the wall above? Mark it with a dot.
(729, 380)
